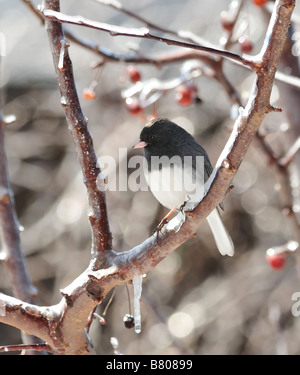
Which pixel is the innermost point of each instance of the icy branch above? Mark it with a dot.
(137, 293)
(142, 32)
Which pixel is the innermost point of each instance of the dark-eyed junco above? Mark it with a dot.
(177, 168)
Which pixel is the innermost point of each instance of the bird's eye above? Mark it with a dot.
(152, 138)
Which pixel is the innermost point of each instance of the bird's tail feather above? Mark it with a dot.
(222, 237)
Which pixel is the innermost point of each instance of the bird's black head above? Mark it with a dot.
(163, 137)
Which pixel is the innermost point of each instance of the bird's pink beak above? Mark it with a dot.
(140, 144)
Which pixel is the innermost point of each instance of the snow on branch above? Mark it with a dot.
(142, 32)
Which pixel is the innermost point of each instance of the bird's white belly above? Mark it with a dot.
(173, 186)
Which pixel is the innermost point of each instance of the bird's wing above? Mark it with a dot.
(197, 150)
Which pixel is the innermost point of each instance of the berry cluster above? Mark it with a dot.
(186, 91)
(228, 20)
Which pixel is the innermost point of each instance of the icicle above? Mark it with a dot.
(115, 344)
(63, 45)
(137, 292)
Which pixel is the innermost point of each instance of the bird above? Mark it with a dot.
(167, 147)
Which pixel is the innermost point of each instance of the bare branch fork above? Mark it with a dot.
(63, 326)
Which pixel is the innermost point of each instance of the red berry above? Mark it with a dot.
(133, 73)
(276, 260)
(260, 3)
(246, 44)
(89, 94)
(227, 21)
(133, 105)
(186, 94)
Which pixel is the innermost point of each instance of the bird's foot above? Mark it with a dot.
(162, 223)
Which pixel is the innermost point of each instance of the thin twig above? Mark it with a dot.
(141, 33)
(128, 296)
(109, 302)
(228, 40)
(184, 34)
(288, 157)
(283, 178)
(29, 4)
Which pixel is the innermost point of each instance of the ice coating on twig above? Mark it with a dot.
(137, 292)
(64, 44)
(115, 344)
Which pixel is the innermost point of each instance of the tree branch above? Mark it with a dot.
(141, 33)
(77, 123)
(24, 347)
(11, 253)
(184, 34)
(155, 59)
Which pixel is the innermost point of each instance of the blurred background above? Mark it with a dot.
(195, 301)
